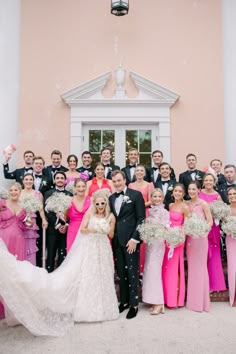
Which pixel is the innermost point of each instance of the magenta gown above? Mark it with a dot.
(12, 233)
(214, 264)
(76, 217)
(231, 262)
(173, 269)
(144, 192)
(198, 298)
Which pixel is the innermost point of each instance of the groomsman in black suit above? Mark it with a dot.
(230, 181)
(133, 159)
(87, 160)
(56, 158)
(56, 238)
(128, 207)
(154, 172)
(106, 160)
(19, 173)
(165, 183)
(216, 165)
(192, 174)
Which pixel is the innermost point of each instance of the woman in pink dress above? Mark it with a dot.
(72, 174)
(231, 251)
(12, 226)
(99, 182)
(145, 188)
(173, 268)
(198, 298)
(31, 231)
(215, 269)
(152, 277)
(79, 206)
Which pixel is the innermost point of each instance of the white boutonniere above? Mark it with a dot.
(44, 183)
(198, 177)
(170, 188)
(109, 169)
(126, 199)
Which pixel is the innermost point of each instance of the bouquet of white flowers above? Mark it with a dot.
(174, 236)
(151, 230)
(102, 226)
(58, 203)
(4, 193)
(196, 227)
(70, 188)
(229, 226)
(219, 210)
(31, 204)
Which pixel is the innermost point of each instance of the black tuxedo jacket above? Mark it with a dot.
(132, 214)
(126, 171)
(88, 170)
(168, 197)
(51, 217)
(45, 183)
(185, 178)
(111, 168)
(220, 180)
(49, 172)
(222, 190)
(17, 174)
(151, 176)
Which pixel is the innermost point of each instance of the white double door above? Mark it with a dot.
(120, 138)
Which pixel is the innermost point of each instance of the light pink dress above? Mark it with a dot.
(215, 269)
(198, 298)
(231, 263)
(76, 217)
(152, 291)
(12, 233)
(173, 269)
(144, 192)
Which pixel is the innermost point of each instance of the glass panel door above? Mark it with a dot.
(98, 139)
(141, 139)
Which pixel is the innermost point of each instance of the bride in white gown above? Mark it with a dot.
(80, 290)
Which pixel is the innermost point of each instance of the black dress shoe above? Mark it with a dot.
(132, 312)
(123, 307)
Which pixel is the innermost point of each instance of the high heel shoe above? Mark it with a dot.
(157, 310)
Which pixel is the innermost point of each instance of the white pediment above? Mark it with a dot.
(148, 92)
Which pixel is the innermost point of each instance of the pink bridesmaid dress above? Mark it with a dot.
(152, 291)
(12, 233)
(215, 269)
(173, 269)
(231, 262)
(144, 192)
(76, 217)
(198, 298)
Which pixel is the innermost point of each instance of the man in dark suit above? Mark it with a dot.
(56, 237)
(192, 174)
(106, 160)
(165, 183)
(216, 165)
(86, 161)
(56, 158)
(128, 207)
(230, 181)
(19, 173)
(154, 172)
(133, 158)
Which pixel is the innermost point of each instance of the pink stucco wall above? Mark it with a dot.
(176, 43)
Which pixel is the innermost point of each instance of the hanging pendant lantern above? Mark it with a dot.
(119, 7)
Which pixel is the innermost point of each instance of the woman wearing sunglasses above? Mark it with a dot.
(81, 289)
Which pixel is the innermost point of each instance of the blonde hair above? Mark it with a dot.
(157, 190)
(102, 193)
(17, 184)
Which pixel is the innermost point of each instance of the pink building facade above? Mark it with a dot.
(61, 89)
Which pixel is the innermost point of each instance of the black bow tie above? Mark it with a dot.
(108, 165)
(231, 185)
(54, 169)
(164, 182)
(60, 191)
(28, 169)
(38, 176)
(155, 168)
(117, 194)
(192, 171)
(132, 166)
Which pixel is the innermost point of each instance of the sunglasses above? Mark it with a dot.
(100, 204)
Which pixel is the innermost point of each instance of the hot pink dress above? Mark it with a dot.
(215, 269)
(173, 269)
(144, 192)
(231, 263)
(198, 298)
(152, 292)
(12, 233)
(76, 217)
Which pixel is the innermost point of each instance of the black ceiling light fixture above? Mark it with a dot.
(119, 7)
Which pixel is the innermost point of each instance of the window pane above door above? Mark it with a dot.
(99, 139)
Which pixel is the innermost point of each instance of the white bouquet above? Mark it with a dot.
(219, 210)
(174, 236)
(196, 227)
(31, 204)
(102, 226)
(151, 230)
(3, 193)
(229, 226)
(58, 203)
(70, 188)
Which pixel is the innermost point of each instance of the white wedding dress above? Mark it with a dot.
(80, 290)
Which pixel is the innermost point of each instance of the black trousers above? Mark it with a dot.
(127, 266)
(56, 243)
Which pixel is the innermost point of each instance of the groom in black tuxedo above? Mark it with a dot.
(128, 207)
